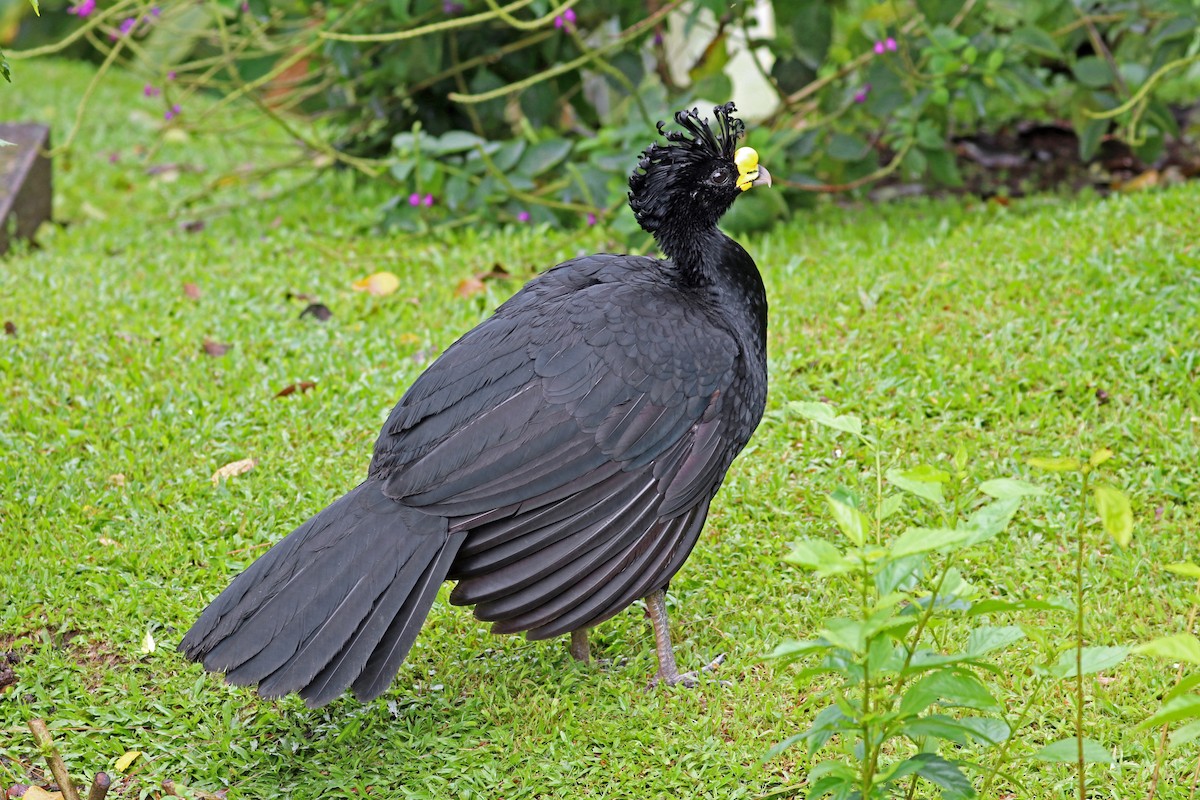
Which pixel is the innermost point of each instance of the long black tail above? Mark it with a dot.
(337, 604)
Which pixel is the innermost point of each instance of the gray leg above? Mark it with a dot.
(668, 672)
(579, 646)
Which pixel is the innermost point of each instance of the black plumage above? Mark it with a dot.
(557, 461)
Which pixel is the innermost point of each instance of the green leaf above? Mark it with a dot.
(811, 25)
(1094, 659)
(1002, 606)
(1093, 72)
(891, 504)
(986, 639)
(1184, 568)
(847, 147)
(1184, 686)
(1178, 647)
(940, 726)
(1066, 751)
(1100, 456)
(850, 520)
(989, 521)
(822, 414)
(1037, 40)
(849, 634)
(1054, 463)
(945, 774)
(1115, 513)
(1089, 137)
(819, 555)
(939, 12)
(1188, 733)
(452, 142)
(917, 481)
(542, 157)
(791, 650)
(949, 688)
(925, 540)
(1177, 708)
(1005, 488)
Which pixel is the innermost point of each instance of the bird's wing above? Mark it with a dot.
(578, 435)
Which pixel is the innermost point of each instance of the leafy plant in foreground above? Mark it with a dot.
(904, 701)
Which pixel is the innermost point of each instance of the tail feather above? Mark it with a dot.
(310, 612)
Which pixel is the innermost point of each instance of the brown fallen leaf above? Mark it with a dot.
(469, 287)
(1147, 180)
(215, 349)
(302, 386)
(318, 310)
(117, 479)
(38, 793)
(191, 291)
(10, 327)
(192, 226)
(379, 284)
(231, 469)
(304, 296)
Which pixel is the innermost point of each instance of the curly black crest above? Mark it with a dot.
(665, 169)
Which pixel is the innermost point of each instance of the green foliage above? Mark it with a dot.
(858, 90)
(905, 706)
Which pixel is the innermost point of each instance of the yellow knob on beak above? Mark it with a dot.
(749, 171)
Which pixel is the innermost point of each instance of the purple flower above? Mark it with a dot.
(414, 199)
(172, 112)
(114, 157)
(428, 201)
(565, 19)
(155, 11)
(890, 43)
(591, 218)
(127, 25)
(523, 216)
(245, 8)
(171, 75)
(451, 8)
(84, 8)
(861, 95)
(879, 48)
(151, 91)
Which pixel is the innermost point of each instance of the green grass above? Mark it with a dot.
(939, 323)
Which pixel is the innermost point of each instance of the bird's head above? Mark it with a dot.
(692, 180)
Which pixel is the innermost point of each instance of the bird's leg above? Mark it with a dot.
(668, 672)
(579, 646)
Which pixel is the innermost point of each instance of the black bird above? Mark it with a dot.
(557, 461)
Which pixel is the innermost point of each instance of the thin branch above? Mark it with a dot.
(631, 33)
(436, 27)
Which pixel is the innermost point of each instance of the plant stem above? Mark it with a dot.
(1079, 553)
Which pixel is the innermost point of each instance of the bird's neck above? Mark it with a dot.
(710, 260)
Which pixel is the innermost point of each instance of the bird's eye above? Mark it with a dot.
(720, 176)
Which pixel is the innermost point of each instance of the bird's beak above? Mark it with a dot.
(749, 171)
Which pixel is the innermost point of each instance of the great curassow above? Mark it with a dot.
(557, 461)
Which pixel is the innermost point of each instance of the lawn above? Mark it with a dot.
(1050, 326)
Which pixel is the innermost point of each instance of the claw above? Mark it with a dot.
(689, 680)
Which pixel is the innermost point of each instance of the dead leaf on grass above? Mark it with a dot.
(191, 291)
(318, 310)
(468, 287)
(215, 349)
(10, 328)
(302, 387)
(379, 284)
(233, 468)
(38, 793)
(124, 761)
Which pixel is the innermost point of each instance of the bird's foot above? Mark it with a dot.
(689, 680)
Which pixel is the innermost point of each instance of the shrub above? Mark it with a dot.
(534, 109)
